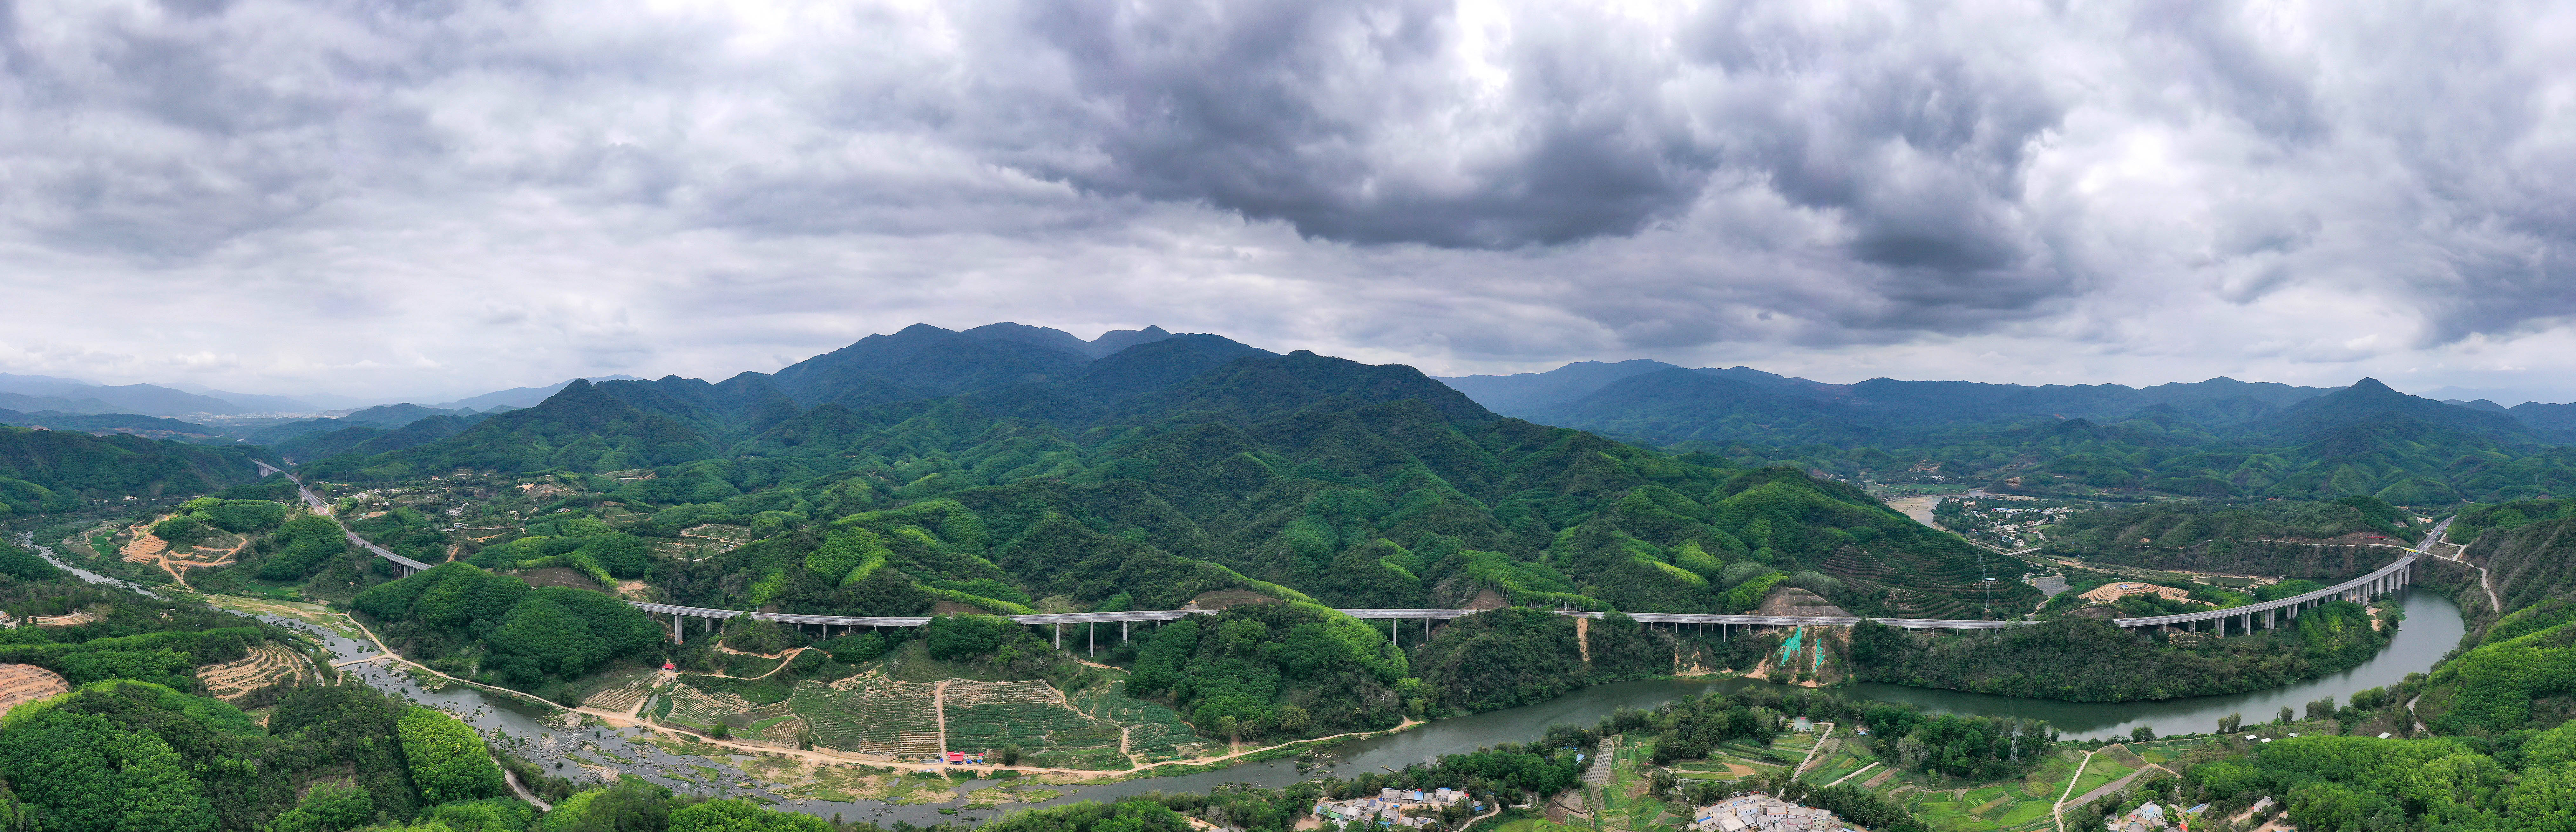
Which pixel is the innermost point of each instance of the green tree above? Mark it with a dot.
(623, 555)
(1292, 720)
(629, 806)
(553, 638)
(303, 546)
(328, 807)
(448, 760)
(1129, 815)
(732, 815)
(236, 515)
(955, 637)
(180, 530)
(491, 814)
(81, 772)
(20, 563)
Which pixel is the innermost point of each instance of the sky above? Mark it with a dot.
(438, 198)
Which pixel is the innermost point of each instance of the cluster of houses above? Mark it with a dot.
(1395, 807)
(2150, 816)
(1762, 813)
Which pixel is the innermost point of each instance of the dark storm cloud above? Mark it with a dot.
(1468, 181)
(1354, 121)
(1360, 123)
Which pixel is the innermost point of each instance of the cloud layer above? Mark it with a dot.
(404, 199)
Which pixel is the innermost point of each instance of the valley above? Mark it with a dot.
(1307, 567)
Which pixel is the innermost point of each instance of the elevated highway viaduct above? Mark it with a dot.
(2267, 614)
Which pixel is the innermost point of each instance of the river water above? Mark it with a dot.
(2432, 627)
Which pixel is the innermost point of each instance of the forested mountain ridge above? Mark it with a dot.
(104, 422)
(1181, 465)
(2216, 438)
(381, 416)
(61, 470)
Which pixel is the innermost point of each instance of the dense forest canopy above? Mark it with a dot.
(51, 471)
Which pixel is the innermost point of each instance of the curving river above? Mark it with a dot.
(2432, 627)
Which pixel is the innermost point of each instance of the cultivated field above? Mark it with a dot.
(1154, 732)
(267, 664)
(619, 692)
(870, 714)
(985, 716)
(27, 683)
(694, 707)
(718, 538)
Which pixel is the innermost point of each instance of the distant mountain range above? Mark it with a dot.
(1664, 403)
(2040, 436)
(1146, 466)
(32, 393)
(2220, 437)
(517, 396)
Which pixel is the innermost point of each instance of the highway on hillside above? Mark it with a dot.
(324, 509)
(2383, 579)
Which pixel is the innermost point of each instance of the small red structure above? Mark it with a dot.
(670, 666)
(956, 757)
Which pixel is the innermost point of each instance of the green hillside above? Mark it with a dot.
(2276, 537)
(2213, 439)
(1098, 482)
(58, 470)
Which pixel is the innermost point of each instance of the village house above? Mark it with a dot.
(1394, 807)
(1762, 813)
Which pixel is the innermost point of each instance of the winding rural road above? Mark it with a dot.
(2057, 810)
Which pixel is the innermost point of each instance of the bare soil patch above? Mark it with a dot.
(558, 576)
(146, 547)
(73, 620)
(724, 538)
(1794, 601)
(1224, 598)
(267, 664)
(20, 683)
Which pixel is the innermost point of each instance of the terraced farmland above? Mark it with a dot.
(27, 683)
(691, 706)
(870, 714)
(1153, 731)
(775, 723)
(1031, 715)
(2015, 805)
(267, 664)
(621, 693)
(716, 538)
(1838, 757)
